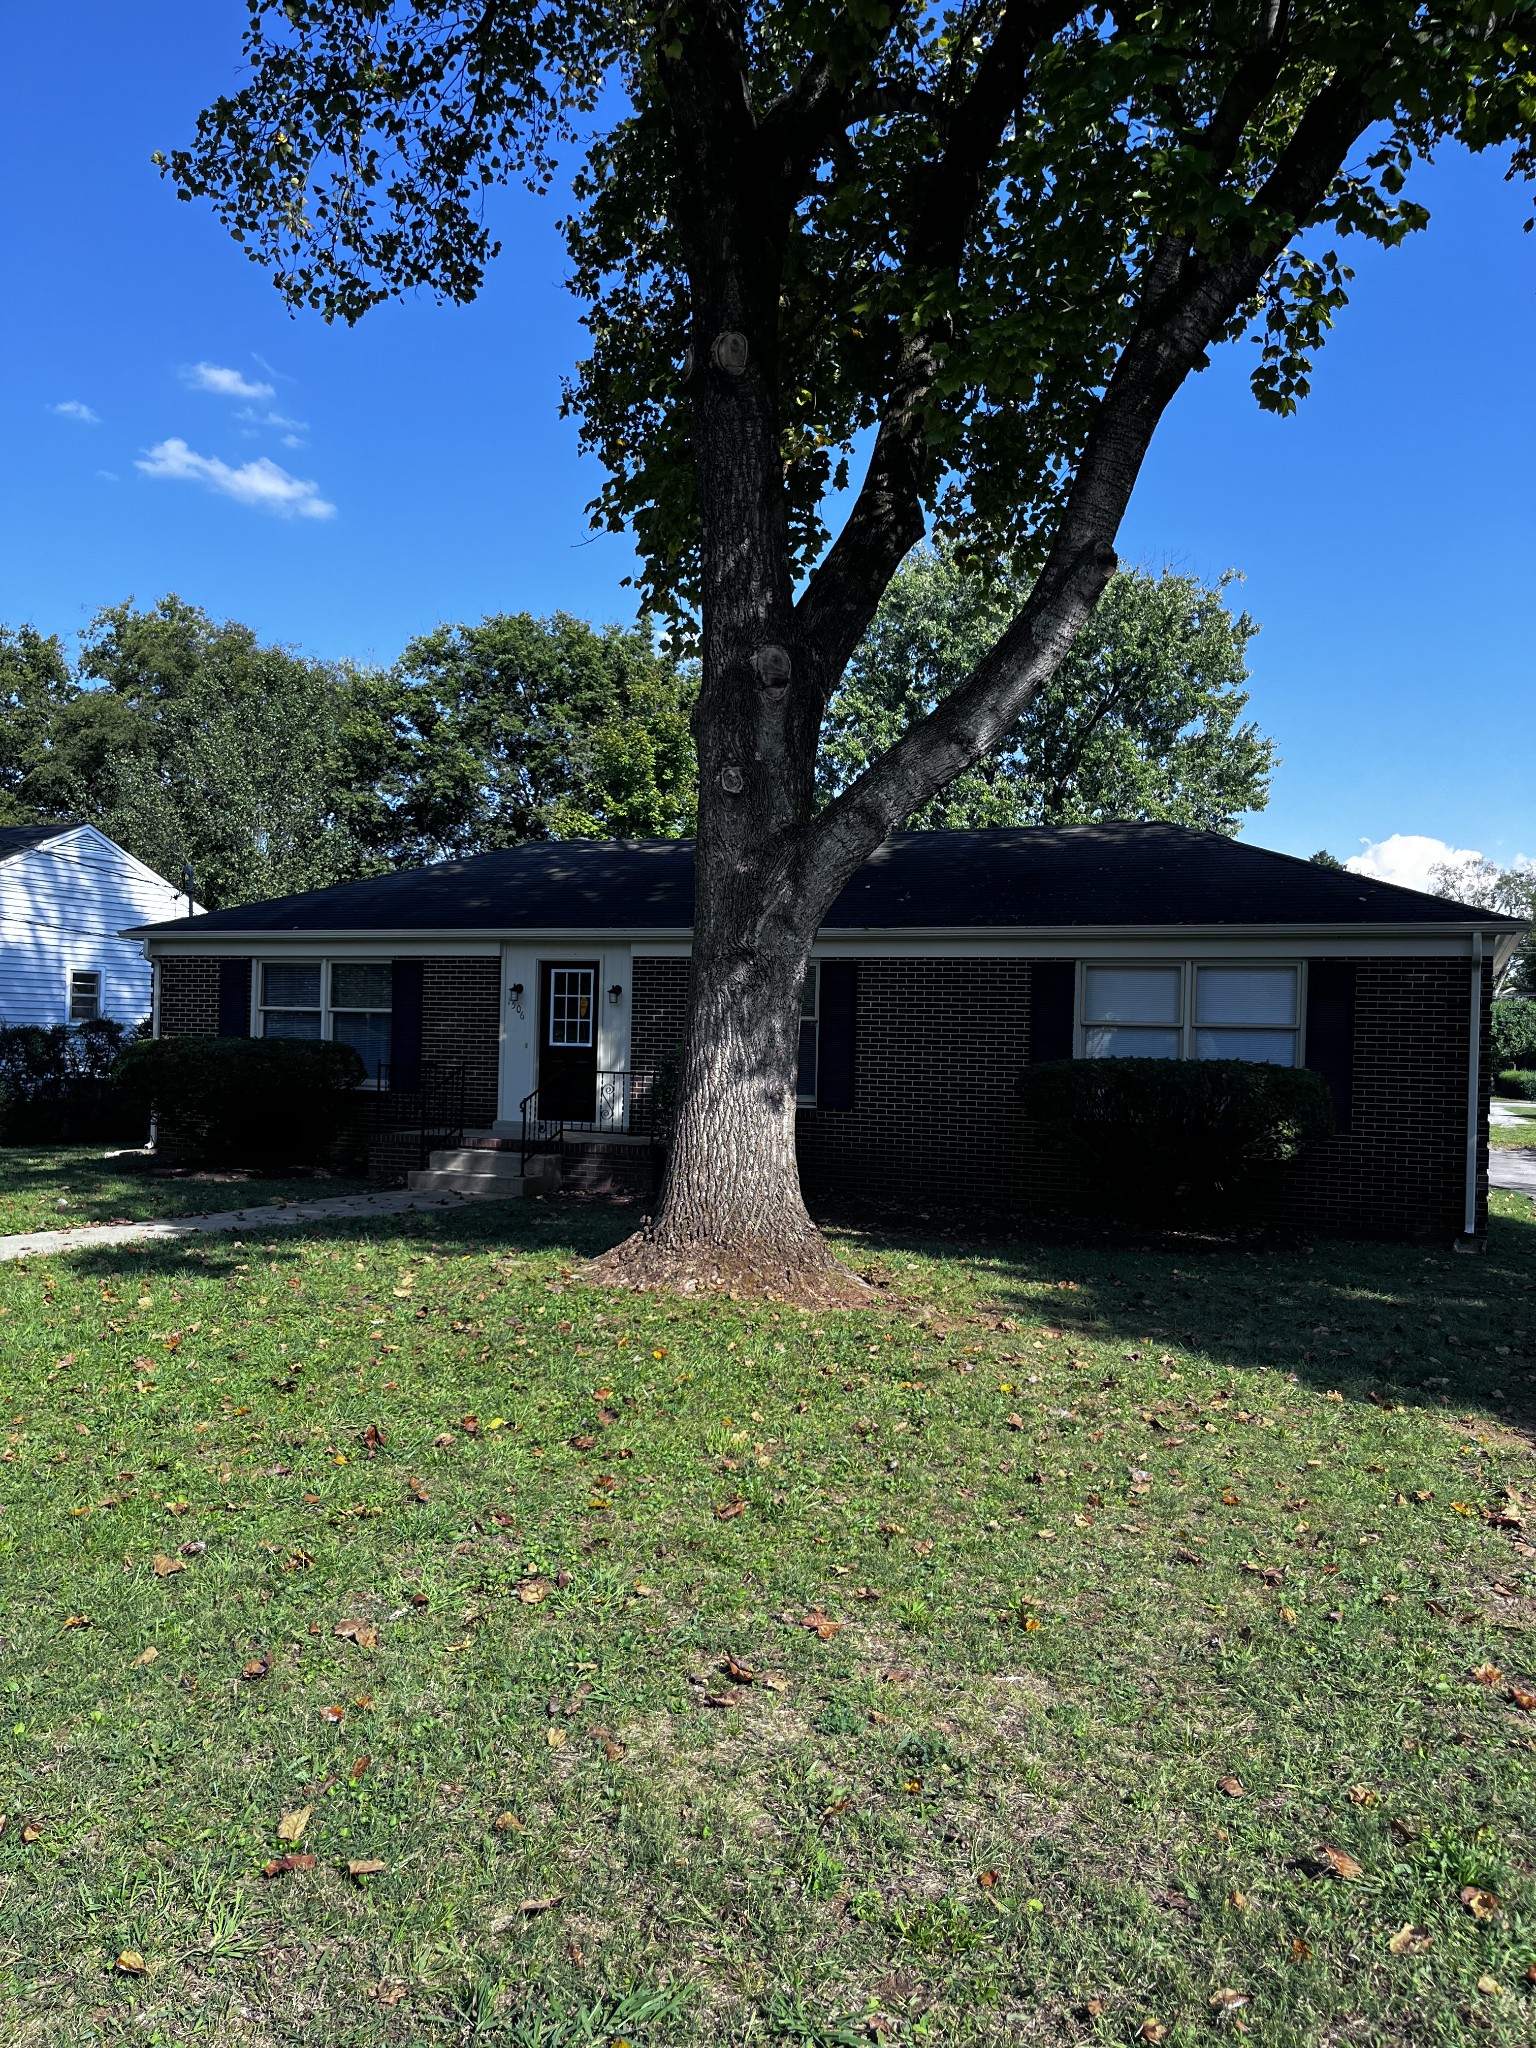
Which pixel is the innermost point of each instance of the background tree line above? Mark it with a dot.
(264, 771)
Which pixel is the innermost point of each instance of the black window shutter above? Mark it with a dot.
(234, 999)
(1053, 1000)
(835, 1053)
(405, 1025)
(1331, 1032)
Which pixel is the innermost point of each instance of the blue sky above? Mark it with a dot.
(415, 468)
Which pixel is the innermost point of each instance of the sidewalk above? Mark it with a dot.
(272, 1216)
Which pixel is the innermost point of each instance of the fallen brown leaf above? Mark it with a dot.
(1362, 1795)
(1336, 1862)
(32, 1832)
(530, 1907)
(364, 1866)
(1233, 1787)
(77, 1621)
(728, 1510)
(258, 1667)
(734, 1668)
(1411, 1941)
(1490, 1987)
(1151, 2030)
(163, 1566)
(130, 1963)
(821, 1625)
(1227, 2000)
(363, 1633)
(1519, 1697)
(299, 1859)
(1486, 1674)
(1480, 1904)
(292, 1825)
(555, 1737)
(146, 1657)
(359, 1767)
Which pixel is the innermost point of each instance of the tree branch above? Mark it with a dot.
(886, 520)
(1171, 336)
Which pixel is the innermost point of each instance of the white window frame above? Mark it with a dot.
(811, 1016)
(577, 968)
(84, 974)
(1187, 1027)
(328, 1012)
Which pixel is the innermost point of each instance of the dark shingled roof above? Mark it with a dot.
(22, 838)
(1073, 876)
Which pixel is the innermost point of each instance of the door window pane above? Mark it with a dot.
(1246, 995)
(1133, 995)
(570, 1005)
(1270, 1048)
(291, 985)
(367, 1031)
(362, 985)
(1117, 1042)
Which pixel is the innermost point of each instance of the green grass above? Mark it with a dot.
(58, 1187)
(1522, 1133)
(1256, 1504)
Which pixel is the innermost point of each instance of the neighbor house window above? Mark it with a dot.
(1190, 1011)
(346, 1000)
(84, 995)
(810, 1035)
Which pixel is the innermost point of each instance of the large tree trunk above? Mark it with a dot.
(731, 1216)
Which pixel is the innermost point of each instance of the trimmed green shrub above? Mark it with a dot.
(57, 1087)
(1514, 1036)
(1164, 1137)
(261, 1102)
(1517, 1084)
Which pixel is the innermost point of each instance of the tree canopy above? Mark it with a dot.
(1143, 719)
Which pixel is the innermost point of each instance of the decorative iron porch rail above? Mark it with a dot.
(416, 1107)
(623, 1105)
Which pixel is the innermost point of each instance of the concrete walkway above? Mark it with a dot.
(272, 1216)
(1511, 1169)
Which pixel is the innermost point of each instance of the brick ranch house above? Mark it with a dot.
(550, 982)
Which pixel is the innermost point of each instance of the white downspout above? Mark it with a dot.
(1474, 1084)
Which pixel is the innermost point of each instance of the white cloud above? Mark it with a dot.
(1407, 858)
(225, 383)
(253, 418)
(262, 483)
(76, 409)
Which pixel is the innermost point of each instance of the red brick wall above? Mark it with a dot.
(940, 1043)
(189, 997)
(461, 1021)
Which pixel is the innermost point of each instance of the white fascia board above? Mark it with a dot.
(1008, 942)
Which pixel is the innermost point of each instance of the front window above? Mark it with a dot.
(1133, 1012)
(349, 1001)
(85, 996)
(1189, 1011)
(810, 1035)
(1246, 1013)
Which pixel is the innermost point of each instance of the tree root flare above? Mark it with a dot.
(805, 1276)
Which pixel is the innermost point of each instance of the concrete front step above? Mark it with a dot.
(505, 1165)
(500, 1187)
(474, 1170)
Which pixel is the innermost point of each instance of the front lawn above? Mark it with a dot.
(403, 1644)
(1521, 1133)
(61, 1186)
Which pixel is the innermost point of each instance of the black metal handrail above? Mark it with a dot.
(420, 1100)
(623, 1104)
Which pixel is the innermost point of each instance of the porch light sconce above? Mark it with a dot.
(616, 993)
(515, 997)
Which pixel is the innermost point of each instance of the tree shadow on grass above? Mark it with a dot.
(1415, 1324)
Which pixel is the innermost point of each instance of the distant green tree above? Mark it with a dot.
(523, 728)
(1511, 892)
(35, 686)
(193, 745)
(1324, 859)
(1143, 719)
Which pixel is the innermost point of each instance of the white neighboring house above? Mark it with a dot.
(66, 894)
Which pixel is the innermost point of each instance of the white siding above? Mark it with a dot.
(62, 906)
